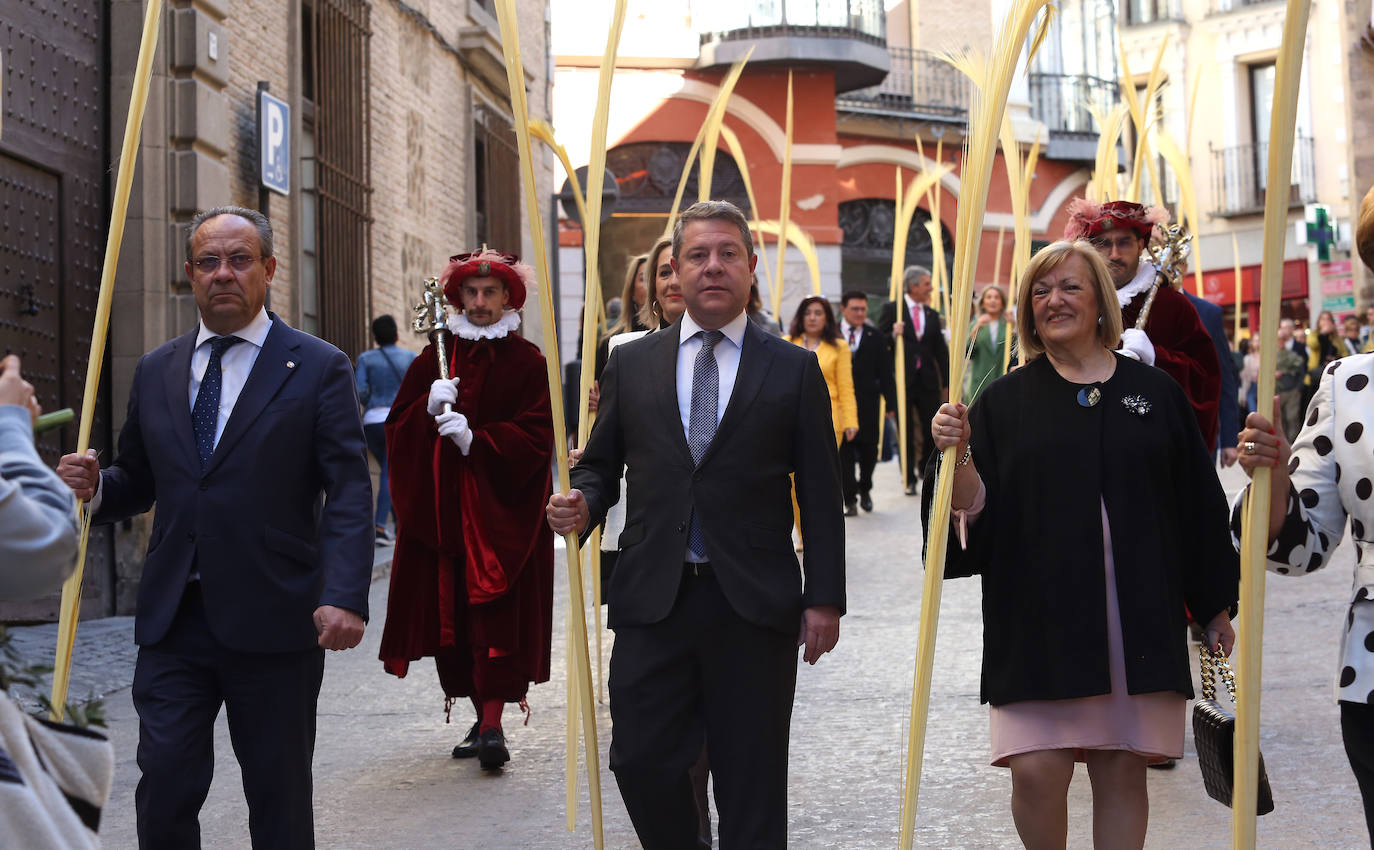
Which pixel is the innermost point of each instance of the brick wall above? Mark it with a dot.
(428, 60)
(1360, 67)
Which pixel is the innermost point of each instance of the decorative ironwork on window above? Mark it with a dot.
(648, 174)
(343, 125)
(496, 189)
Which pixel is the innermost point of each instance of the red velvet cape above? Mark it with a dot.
(475, 566)
(1185, 350)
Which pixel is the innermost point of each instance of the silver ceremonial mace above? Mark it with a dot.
(431, 319)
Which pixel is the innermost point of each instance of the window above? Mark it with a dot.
(496, 182)
(1261, 105)
(342, 173)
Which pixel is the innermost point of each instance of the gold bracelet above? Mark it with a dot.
(963, 461)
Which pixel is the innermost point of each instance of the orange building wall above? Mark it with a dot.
(680, 119)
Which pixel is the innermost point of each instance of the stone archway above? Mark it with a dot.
(647, 174)
(866, 254)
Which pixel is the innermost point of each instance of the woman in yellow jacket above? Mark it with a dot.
(814, 328)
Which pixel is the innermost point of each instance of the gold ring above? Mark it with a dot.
(1249, 447)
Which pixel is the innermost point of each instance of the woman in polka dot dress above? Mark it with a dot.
(1325, 476)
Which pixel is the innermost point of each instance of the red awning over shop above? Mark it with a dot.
(1219, 286)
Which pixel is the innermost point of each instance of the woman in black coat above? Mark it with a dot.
(1093, 515)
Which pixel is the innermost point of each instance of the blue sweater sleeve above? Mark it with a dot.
(37, 510)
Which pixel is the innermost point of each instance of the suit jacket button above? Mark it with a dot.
(696, 476)
(205, 485)
(681, 527)
(191, 535)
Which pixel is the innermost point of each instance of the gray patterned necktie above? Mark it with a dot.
(701, 424)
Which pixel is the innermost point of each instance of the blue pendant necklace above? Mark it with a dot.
(1089, 396)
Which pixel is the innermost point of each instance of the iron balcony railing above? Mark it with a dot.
(1060, 101)
(1240, 175)
(1224, 6)
(734, 20)
(920, 84)
(1140, 12)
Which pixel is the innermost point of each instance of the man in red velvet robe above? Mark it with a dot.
(470, 461)
(1173, 338)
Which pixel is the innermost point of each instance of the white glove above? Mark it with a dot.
(1136, 345)
(454, 425)
(441, 392)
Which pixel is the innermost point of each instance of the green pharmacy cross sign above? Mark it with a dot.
(1321, 230)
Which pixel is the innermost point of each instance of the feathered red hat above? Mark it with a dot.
(1088, 219)
(518, 277)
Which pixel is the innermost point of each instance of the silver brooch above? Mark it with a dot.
(1136, 404)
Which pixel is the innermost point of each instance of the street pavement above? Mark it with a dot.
(384, 778)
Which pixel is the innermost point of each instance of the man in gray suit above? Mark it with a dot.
(710, 418)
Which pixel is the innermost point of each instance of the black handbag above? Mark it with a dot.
(1214, 734)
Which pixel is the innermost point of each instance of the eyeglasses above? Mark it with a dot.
(210, 264)
(1121, 243)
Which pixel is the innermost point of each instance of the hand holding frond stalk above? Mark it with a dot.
(992, 83)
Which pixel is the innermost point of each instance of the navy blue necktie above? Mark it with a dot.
(205, 413)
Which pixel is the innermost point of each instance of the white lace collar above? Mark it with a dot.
(1144, 278)
(463, 329)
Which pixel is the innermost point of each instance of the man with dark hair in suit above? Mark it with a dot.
(1228, 417)
(710, 418)
(245, 434)
(927, 364)
(873, 380)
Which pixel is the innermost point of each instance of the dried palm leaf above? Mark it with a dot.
(1255, 537)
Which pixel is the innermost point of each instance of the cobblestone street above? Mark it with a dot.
(384, 777)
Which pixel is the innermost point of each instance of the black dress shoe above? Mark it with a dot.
(911, 489)
(491, 750)
(468, 748)
(866, 502)
(851, 510)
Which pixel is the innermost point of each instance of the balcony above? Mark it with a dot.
(1221, 7)
(920, 85)
(847, 35)
(1143, 12)
(1060, 102)
(1239, 174)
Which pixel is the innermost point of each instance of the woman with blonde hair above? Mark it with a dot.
(1089, 506)
(634, 297)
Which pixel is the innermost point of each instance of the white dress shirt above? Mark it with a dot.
(845, 328)
(727, 353)
(235, 364)
(727, 363)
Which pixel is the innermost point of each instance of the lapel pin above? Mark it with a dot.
(290, 364)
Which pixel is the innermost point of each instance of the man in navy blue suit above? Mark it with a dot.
(1228, 415)
(245, 434)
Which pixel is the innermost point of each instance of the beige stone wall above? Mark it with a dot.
(1219, 46)
(199, 149)
(940, 27)
(1358, 51)
(261, 37)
